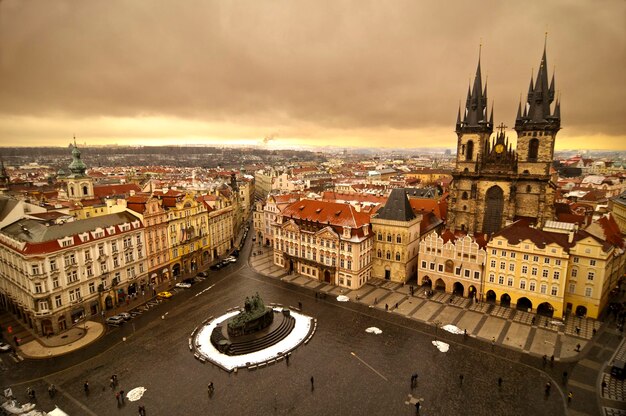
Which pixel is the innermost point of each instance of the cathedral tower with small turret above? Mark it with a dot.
(494, 183)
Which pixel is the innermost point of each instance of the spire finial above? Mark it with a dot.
(480, 48)
(74, 140)
(545, 41)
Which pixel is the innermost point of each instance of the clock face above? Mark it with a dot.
(499, 148)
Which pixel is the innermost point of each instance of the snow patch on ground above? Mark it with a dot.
(136, 393)
(453, 329)
(230, 362)
(342, 298)
(373, 330)
(441, 346)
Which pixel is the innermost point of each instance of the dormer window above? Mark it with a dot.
(66, 242)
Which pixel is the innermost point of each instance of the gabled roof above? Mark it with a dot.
(438, 207)
(612, 233)
(520, 231)
(325, 212)
(102, 191)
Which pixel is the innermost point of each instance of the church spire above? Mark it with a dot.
(475, 114)
(537, 111)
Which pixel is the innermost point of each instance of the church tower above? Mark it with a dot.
(472, 127)
(537, 125)
(78, 184)
(493, 183)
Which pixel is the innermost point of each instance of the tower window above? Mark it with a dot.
(470, 150)
(464, 196)
(533, 149)
(528, 188)
(85, 190)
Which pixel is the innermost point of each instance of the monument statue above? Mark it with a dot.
(254, 317)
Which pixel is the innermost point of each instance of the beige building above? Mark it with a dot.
(452, 263)
(556, 271)
(597, 263)
(55, 273)
(220, 224)
(617, 206)
(154, 219)
(397, 230)
(527, 267)
(326, 241)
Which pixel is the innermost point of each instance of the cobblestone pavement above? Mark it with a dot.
(355, 372)
(567, 341)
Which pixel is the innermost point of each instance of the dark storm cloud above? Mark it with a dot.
(360, 64)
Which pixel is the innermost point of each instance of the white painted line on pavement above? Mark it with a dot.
(369, 366)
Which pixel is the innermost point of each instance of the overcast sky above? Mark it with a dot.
(344, 73)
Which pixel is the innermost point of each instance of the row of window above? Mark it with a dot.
(389, 237)
(457, 270)
(543, 288)
(535, 259)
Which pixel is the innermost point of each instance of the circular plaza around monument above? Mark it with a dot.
(252, 337)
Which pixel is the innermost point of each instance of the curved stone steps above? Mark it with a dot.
(272, 338)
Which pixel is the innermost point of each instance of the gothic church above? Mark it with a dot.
(494, 183)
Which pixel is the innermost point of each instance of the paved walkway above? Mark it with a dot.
(510, 327)
(585, 342)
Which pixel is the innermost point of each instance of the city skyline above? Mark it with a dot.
(305, 75)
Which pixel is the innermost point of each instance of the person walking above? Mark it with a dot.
(548, 387)
(417, 407)
(312, 383)
(570, 396)
(52, 390)
(564, 377)
(86, 386)
(122, 396)
(210, 388)
(500, 381)
(461, 379)
(142, 411)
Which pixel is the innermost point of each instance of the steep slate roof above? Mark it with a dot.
(397, 207)
(41, 238)
(324, 212)
(6, 206)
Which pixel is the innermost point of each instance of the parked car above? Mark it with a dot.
(190, 280)
(115, 320)
(5, 347)
(183, 285)
(230, 259)
(618, 370)
(125, 315)
(217, 266)
(203, 274)
(164, 295)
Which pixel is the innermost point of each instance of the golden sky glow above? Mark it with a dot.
(340, 73)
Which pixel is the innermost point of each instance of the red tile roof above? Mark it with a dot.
(438, 207)
(324, 212)
(102, 191)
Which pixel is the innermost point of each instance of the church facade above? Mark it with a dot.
(493, 182)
